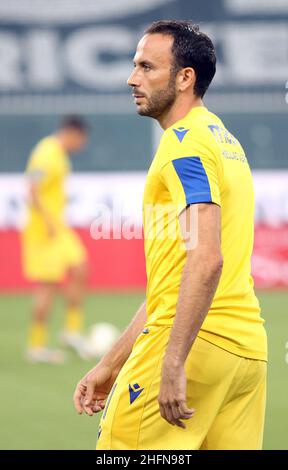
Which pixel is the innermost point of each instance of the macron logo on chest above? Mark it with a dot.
(180, 133)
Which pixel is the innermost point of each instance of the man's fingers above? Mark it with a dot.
(82, 388)
(185, 412)
(180, 424)
(177, 415)
(86, 399)
(77, 399)
(171, 414)
(78, 405)
(166, 413)
(98, 406)
(89, 400)
(174, 412)
(89, 409)
(89, 393)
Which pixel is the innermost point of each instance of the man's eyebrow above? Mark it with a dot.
(143, 62)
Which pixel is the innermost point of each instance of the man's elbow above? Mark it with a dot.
(209, 262)
(216, 265)
(213, 265)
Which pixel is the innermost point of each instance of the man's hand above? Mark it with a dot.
(51, 229)
(38, 205)
(172, 396)
(92, 391)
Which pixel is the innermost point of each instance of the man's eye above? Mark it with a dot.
(146, 67)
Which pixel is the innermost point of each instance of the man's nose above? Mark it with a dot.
(133, 80)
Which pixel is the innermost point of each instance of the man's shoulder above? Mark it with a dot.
(47, 144)
(46, 148)
(43, 154)
(188, 138)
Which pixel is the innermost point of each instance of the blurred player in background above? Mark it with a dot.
(50, 249)
(198, 343)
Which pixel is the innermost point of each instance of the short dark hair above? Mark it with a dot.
(191, 48)
(74, 122)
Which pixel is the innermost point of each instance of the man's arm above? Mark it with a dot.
(200, 278)
(37, 204)
(92, 391)
(121, 350)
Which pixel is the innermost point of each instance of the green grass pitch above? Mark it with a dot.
(36, 400)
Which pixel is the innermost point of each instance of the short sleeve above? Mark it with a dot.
(39, 167)
(191, 180)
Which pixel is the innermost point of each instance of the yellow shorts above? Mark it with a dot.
(48, 259)
(227, 391)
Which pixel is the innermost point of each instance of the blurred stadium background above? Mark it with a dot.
(74, 56)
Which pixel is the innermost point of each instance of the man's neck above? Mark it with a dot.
(61, 140)
(179, 110)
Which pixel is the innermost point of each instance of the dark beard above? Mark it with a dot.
(161, 101)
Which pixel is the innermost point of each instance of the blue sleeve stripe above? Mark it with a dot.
(194, 179)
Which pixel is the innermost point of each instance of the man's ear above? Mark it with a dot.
(186, 78)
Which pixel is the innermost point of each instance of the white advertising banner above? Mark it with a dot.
(93, 195)
(107, 209)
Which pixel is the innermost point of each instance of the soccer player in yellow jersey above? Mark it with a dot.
(190, 370)
(50, 249)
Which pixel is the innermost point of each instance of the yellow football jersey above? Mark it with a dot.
(49, 165)
(46, 258)
(199, 161)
